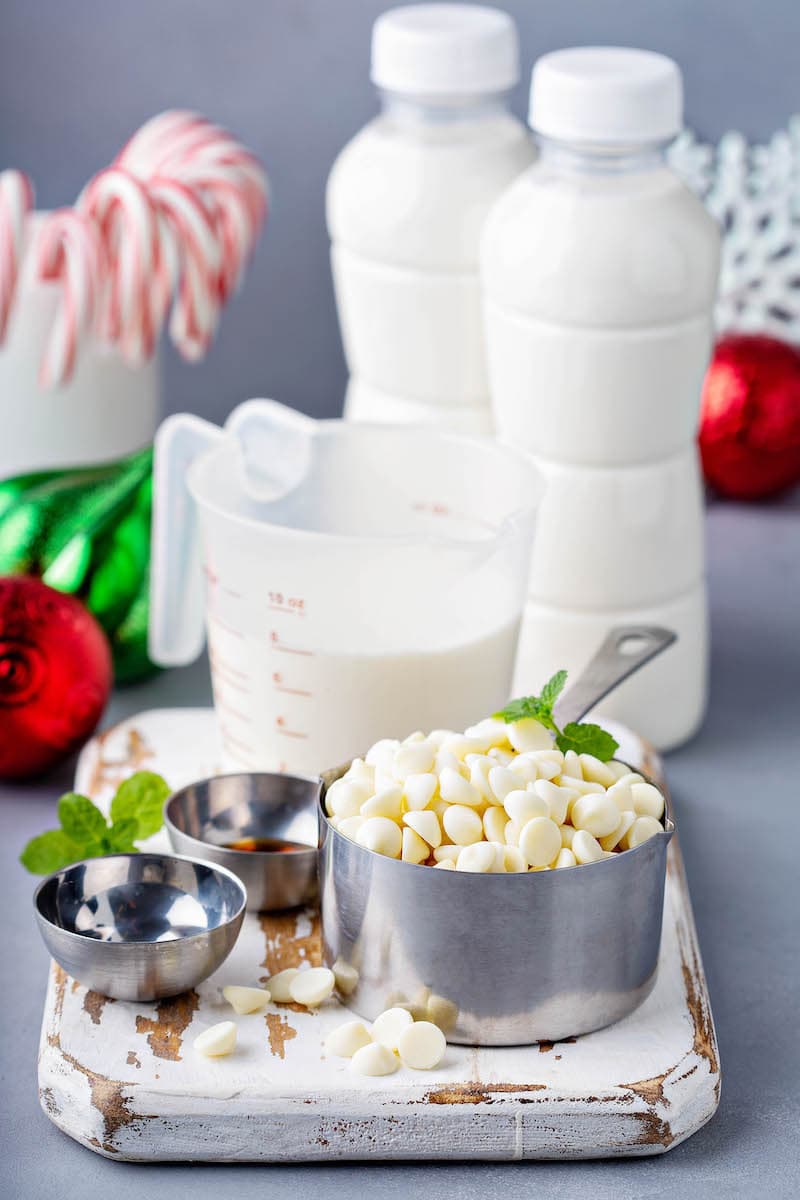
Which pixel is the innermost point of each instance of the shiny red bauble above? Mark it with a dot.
(750, 417)
(55, 676)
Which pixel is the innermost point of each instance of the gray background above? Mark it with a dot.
(290, 78)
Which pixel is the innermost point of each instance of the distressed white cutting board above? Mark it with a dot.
(124, 1080)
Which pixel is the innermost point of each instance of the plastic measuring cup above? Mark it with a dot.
(361, 581)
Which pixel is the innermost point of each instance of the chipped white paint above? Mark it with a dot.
(124, 1080)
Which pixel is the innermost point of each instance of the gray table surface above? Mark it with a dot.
(736, 796)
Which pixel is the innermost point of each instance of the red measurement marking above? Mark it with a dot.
(230, 592)
(209, 574)
(292, 691)
(286, 612)
(223, 704)
(290, 649)
(292, 733)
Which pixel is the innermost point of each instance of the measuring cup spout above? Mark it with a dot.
(277, 447)
(176, 625)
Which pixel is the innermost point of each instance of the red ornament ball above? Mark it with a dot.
(55, 676)
(750, 417)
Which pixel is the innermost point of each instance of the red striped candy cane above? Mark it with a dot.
(16, 202)
(68, 251)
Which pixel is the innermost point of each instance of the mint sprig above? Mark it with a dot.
(136, 813)
(582, 737)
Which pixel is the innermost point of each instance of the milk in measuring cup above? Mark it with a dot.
(406, 201)
(361, 581)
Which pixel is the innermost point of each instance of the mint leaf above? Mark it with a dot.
(141, 798)
(81, 820)
(587, 739)
(49, 852)
(519, 710)
(121, 836)
(553, 689)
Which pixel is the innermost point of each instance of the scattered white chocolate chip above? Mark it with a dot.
(442, 1012)
(374, 1059)
(346, 976)
(218, 1040)
(446, 864)
(386, 1028)
(455, 789)
(387, 803)
(612, 840)
(495, 820)
(422, 1046)
(346, 1039)
(523, 806)
(245, 999)
(278, 985)
(447, 854)
(596, 771)
(565, 858)
(313, 986)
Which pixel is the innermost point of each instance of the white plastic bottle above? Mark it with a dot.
(599, 270)
(406, 202)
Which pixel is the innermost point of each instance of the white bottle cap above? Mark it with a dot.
(606, 94)
(444, 50)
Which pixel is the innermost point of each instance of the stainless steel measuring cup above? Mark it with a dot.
(510, 958)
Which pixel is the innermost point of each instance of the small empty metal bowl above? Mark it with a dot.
(140, 926)
(277, 814)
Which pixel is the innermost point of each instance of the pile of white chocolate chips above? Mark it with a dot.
(499, 797)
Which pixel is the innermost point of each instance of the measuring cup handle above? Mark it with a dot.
(176, 632)
(625, 649)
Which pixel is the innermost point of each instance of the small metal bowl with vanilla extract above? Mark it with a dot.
(261, 826)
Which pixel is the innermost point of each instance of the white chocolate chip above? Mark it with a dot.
(374, 1059)
(540, 841)
(446, 864)
(245, 999)
(419, 790)
(524, 768)
(511, 834)
(495, 820)
(386, 803)
(622, 796)
(618, 769)
(572, 765)
(586, 848)
(462, 825)
(442, 1012)
(598, 815)
(514, 859)
(631, 777)
(642, 829)
(312, 987)
(422, 1046)
(558, 799)
(582, 786)
(478, 856)
(529, 734)
(503, 780)
(346, 976)
(647, 800)
(386, 1028)
(524, 806)
(413, 759)
(456, 790)
(492, 730)
(381, 835)
(567, 834)
(218, 1040)
(447, 854)
(596, 771)
(565, 858)
(414, 850)
(345, 797)
(612, 840)
(346, 1039)
(382, 753)
(350, 826)
(278, 985)
(425, 825)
